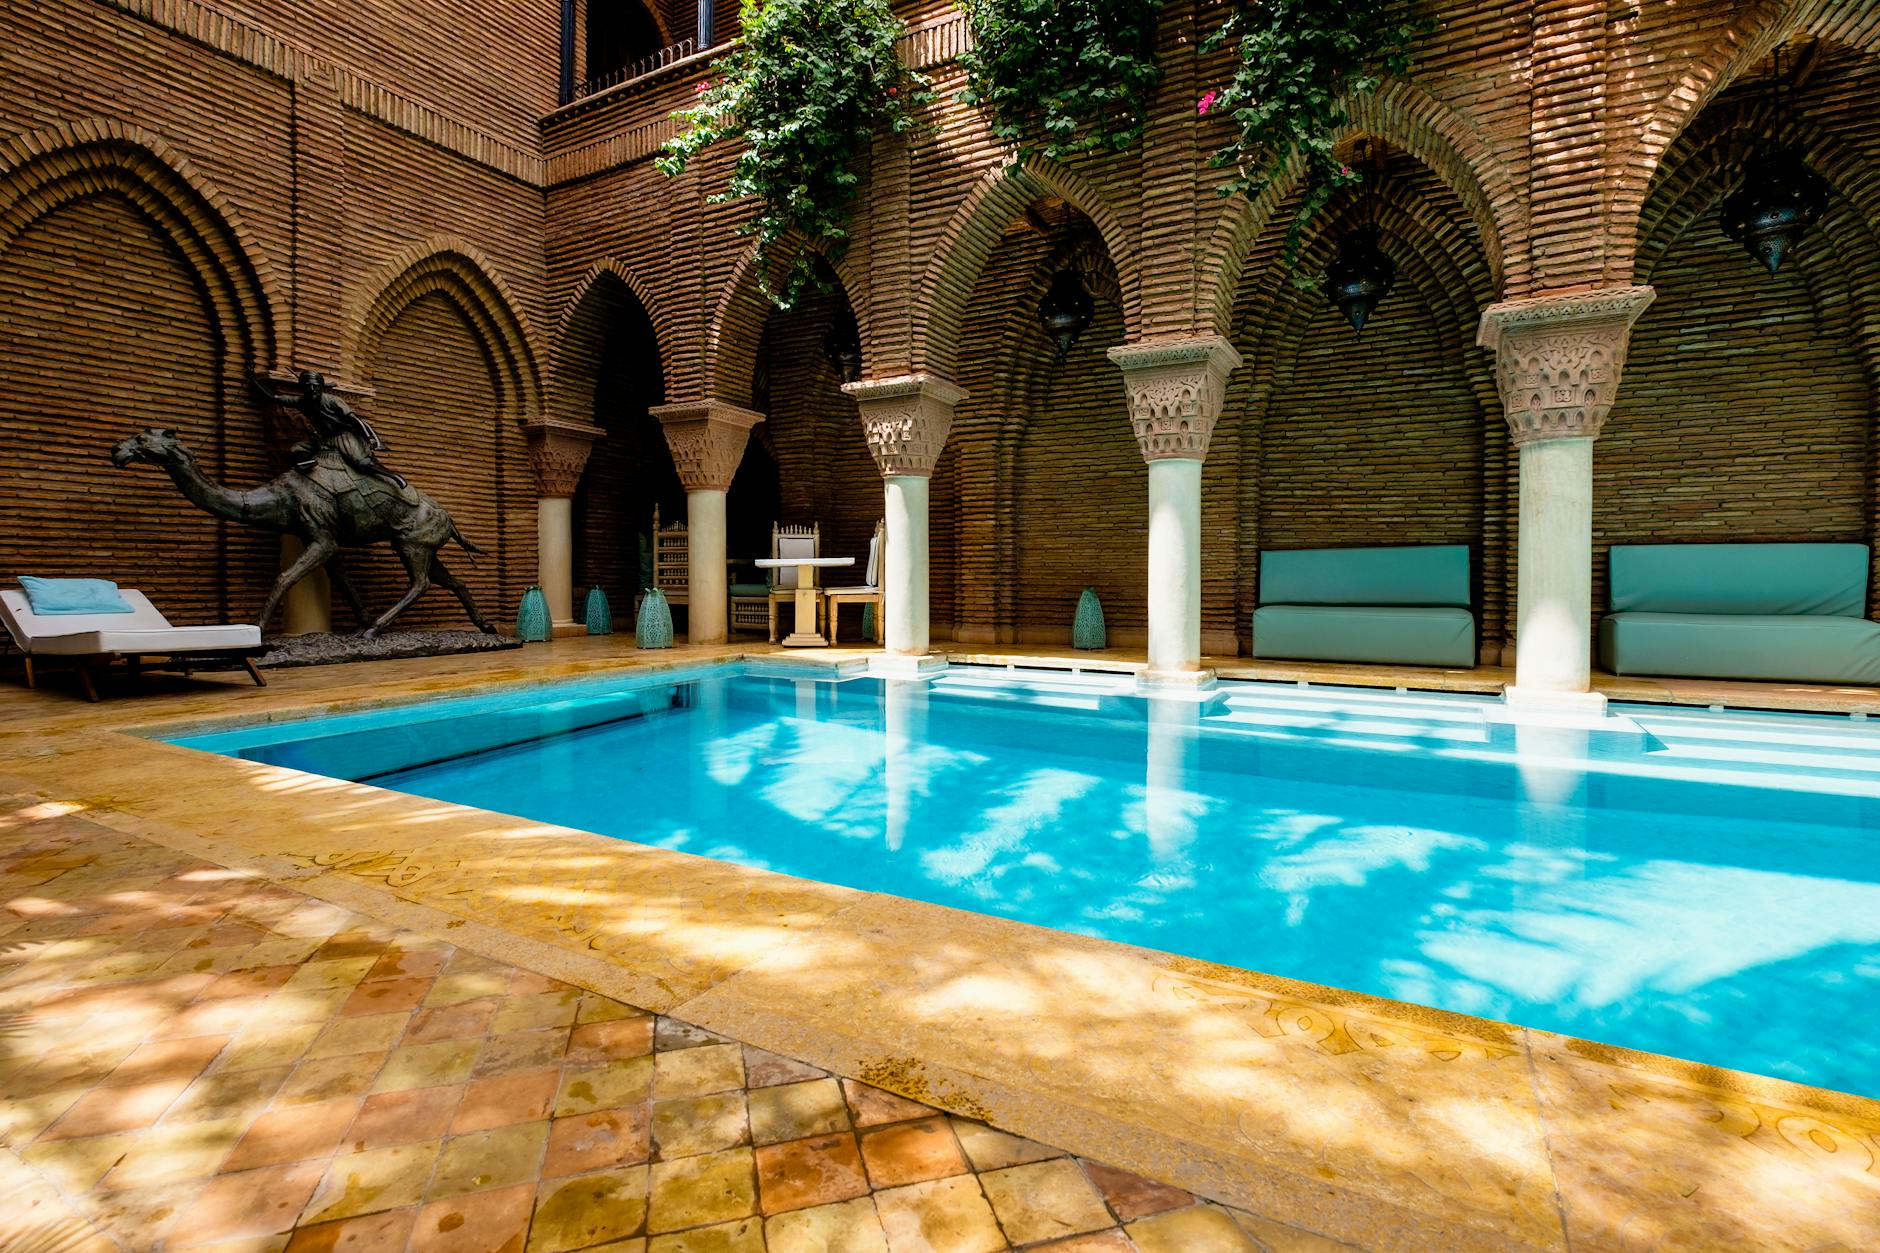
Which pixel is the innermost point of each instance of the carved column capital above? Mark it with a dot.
(707, 439)
(558, 452)
(906, 420)
(1558, 359)
(1176, 387)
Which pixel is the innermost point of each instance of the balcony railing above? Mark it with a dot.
(638, 69)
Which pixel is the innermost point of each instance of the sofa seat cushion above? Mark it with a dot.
(1793, 648)
(1433, 636)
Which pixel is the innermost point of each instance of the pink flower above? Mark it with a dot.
(704, 85)
(1207, 101)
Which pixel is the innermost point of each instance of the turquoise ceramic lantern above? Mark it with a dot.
(654, 628)
(532, 625)
(598, 613)
(1087, 627)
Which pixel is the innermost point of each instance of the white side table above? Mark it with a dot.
(806, 635)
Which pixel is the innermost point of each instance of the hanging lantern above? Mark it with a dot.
(1066, 311)
(1359, 276)
(1779, 199)
(842, 346)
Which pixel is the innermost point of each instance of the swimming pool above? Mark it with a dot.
(1701, 884)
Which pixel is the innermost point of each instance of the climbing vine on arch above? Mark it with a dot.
(1296, 63)
(1067, 76)
(808, 86)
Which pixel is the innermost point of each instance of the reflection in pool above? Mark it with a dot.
(1702, 885)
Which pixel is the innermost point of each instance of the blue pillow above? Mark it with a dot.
(50, 596)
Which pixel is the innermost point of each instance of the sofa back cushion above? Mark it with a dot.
(1420, 574)
(1821, 579)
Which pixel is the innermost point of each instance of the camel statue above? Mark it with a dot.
(326, 506)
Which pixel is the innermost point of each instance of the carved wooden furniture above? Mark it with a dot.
(869, 593)
(671, 557)
(794, 542)
(808, 599)
(93, 641)
(750, 605)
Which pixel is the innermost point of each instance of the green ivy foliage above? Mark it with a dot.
(806, 89)
(1299, 60)
(1073, 76)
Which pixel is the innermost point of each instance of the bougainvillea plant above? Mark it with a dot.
(1068, 76)
(806, 89)
(1299, 61)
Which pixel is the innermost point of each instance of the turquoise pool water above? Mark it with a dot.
(1701, 884)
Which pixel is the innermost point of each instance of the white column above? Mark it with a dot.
(904, 577)
(1554, 592)
(1174, 564)
(1558, 360)
(1176, 388)
(705, 604)
(707, 439)
(905, 421)
(554, 558)
(558, 452)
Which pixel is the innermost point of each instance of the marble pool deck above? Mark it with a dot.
(1310, 1117)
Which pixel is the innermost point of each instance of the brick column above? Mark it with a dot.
(558, 452)
(707, 439)
(1557, 365)
(906, 421)
(1175, 388)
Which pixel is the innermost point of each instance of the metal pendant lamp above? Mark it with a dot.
(1779, 197)
(1362, 273)
(1066, 310)
(842, 346)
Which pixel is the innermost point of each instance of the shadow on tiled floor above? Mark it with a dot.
(196, 1058)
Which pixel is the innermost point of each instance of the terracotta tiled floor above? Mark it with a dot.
(192, 1057)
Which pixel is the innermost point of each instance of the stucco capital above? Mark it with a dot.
(906, 420)
(558, 452)
(1176, 388)
(1558, 359)
(707, 440)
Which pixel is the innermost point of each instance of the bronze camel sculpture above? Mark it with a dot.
(326, 507)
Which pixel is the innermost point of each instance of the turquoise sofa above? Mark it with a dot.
(1792, 612)
(1407, 605)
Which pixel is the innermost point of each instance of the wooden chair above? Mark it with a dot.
(791, 541)
(750, 602)
(671, 553)
(867, 594)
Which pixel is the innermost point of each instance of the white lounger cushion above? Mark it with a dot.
(143, 630)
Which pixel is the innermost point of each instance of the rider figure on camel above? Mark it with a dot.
(334, 425)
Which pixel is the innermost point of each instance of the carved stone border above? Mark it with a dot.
(707, 440)
(558, 452)
(1176, 387)
(906, 420)
(1558, 359)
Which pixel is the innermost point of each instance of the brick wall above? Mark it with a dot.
(1537, 148)
(192, 194)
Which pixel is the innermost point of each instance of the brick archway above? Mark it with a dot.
(581, 331)
(44, 170)
(460, 273)
(1410, 120)
(1002, 194)
(737, 322)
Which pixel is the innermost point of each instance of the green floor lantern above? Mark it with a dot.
(1087, 627)
(532, 625)
(654, 628)
(598, 613)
